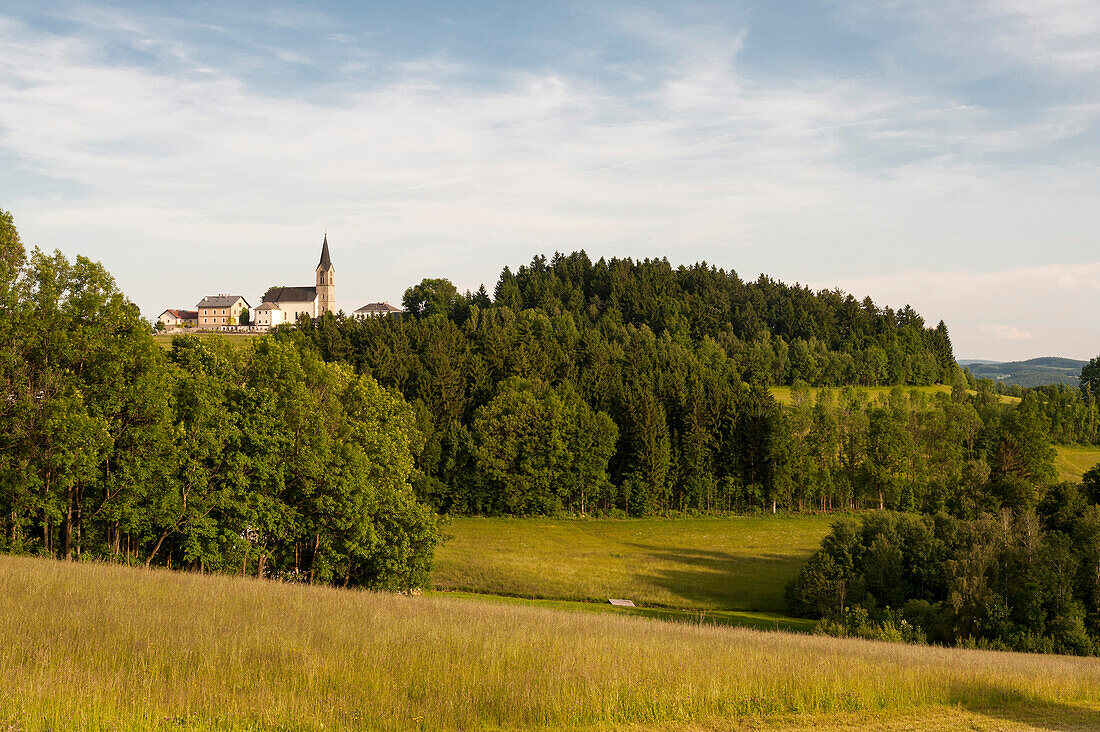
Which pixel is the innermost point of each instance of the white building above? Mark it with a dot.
(173, 318)
(312, 301)
(268, 315)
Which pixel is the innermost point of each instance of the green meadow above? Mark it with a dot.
(1073, 461)
(740, 563)
(106, 647)
(782, 394)
(234, 339)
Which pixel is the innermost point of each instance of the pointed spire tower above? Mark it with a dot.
(326, 282)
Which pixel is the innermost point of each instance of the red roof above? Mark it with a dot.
(183, 314)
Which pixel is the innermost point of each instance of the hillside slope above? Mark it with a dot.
(737, 563)
(1031, 373)
(106, 647)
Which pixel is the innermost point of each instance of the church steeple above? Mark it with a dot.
(326, 260)
(326, 281)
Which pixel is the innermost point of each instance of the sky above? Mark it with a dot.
(940, 154)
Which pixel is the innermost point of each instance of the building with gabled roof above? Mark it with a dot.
(312, 301)
(376, 310)
(173, 318)
(268, 315)
(218, 310)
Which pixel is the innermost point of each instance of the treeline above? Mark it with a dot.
(262, 460)
(1072, 412)
(775, 333)
(569, 406)
(1025, 579)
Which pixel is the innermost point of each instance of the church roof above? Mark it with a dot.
(326, 260)
(290, 294)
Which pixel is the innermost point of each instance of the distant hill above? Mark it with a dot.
(1033, 372)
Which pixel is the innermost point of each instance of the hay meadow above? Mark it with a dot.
(1073, 461)
(730, 563)
(103, 647)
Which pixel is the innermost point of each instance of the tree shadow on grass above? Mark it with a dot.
(1016, 707)
(719, 579)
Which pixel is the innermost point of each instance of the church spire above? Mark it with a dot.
(326, 261)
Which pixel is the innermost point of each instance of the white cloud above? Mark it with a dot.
(1058, 35)
(1006, 332)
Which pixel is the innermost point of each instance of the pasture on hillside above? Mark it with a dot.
(1073, 461)
(737, 563)
(234, 339)
(106, 647)
(782, 394)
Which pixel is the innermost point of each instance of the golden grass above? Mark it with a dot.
(735, 563)
(101, 647)
(1073, 461)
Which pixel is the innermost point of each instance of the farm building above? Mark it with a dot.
(173, 318)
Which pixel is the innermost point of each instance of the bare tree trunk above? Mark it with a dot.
(79, 523)
(313, 558)
(67, 528)
(160, 541)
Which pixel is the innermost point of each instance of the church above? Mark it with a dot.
(285, 304)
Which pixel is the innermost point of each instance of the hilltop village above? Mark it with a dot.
(279, 305)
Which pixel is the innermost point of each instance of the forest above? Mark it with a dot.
(1025, 578)
(263, 460)
(633, 388)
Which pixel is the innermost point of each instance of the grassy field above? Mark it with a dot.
(740, 563)
(235, 339)
(96, 647)
(1073, 461)
(733, 618)
(782, 394)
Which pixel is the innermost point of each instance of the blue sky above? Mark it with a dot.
(942, 154)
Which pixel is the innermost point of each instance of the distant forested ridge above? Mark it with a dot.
(1034, 372)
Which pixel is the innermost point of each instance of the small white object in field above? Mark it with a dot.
(621, 603)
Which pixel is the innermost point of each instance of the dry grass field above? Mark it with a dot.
(737, 563)
(96, 647)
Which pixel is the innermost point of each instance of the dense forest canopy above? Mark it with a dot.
(1025, 578)
(777, 333)
(636, 388)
